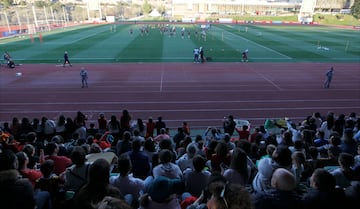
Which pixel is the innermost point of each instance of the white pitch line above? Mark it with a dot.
(259, 45)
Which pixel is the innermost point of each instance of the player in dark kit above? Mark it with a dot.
(245, 56)
(66, 59)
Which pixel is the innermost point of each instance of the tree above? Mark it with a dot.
(6, 3)
(146, 7)
(355, 9)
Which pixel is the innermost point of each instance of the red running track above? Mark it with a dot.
(201, 94)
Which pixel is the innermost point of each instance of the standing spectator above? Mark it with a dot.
(329, 75)
(140, 126)
(60, 128)
(25, 126)
(70, 129)
(159, 125)
(66, 59)
(229, 125)
(84, 77)
(244, 132)
(37, 128)
(178, 137)
(80, 119)
(125, 120)
(114, 128)
(15, 127)
(186, 128)
(150, 127)
(102, 123)
(92, 131)
(48, 126)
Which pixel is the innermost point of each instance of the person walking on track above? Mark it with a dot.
(66, 59)
(329, 76)
(84, 77)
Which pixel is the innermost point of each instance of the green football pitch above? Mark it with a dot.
(113, 43)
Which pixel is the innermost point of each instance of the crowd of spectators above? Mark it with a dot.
(127, 163)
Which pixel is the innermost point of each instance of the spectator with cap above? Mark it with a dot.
(163, 194)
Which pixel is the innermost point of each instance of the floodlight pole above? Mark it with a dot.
(64, 15)
(18, 18)
(7, 22)
(35, 19)
(46, 19)
(87, 8)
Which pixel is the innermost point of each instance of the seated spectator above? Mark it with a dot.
(32, 174)
(181, 150)
(166, 167)
(344, 175)
(282, 194)
(186, 160)
(77, 175)
(149, 149)
(34, 160)
(225, 196)
(60, 162)
(353, 193)
(229, 143)
(162, 135)
(239, 171)
(126, 182)
(281, 158)
(348, 143)
(164, 144)
(196, 179)
(323, 192)
(113, 203)
(298, 165)
(163, 194)
(124, 144)
(12, 186)
(97, 187)
(222, 155)
(141, 167)
(51, 183)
